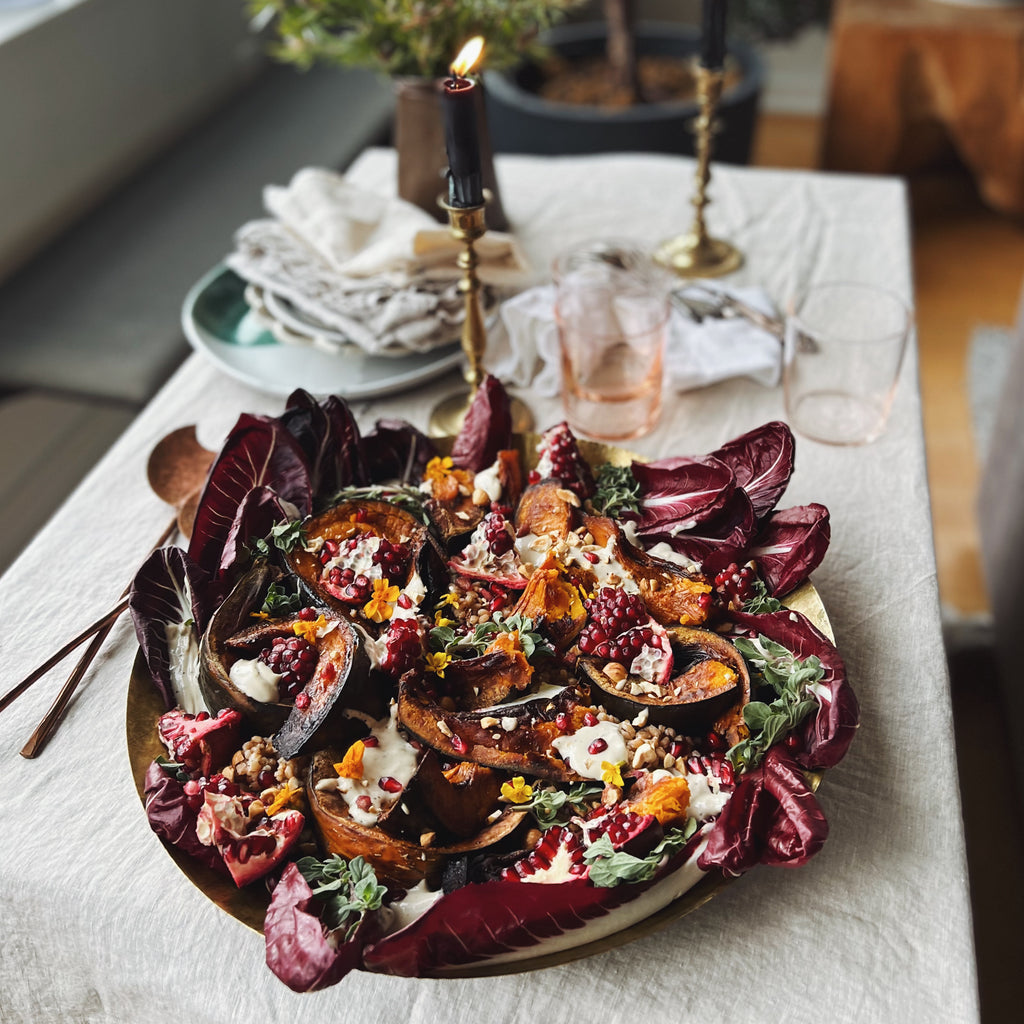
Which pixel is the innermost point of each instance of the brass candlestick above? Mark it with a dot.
(468, 224)
(695, 254)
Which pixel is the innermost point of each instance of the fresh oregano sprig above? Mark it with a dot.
(762, 602)
(792, 680)
(557, 806)
(610, 867)
(348, 889)
(283, 536)
(279, 601)
(618, 491)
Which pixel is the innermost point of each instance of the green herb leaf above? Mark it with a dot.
(279, 601)
(610, 867)
(347, 889)
(175, 768)
(618, 491)
(791, 679)
(762, 603)
(557, 806)
(283, 536)
(470, 645)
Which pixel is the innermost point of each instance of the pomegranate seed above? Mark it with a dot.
(534, 477)
(597, 746)
(704, 602)
(404, 601)
(497, 604)
(389, 784)
(331, 547)
(360, 516)
(459, 743)
(371, 741)
(792, 741)
(714, 741)
(590, 718)
(302, 701)
(591, 557)
(202, 716)
(307, 614)
(562, 721)
(364, 803)
(725, 773)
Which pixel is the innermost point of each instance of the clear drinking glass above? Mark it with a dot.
(612, 309)
(844, 347)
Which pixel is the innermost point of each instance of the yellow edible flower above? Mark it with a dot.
(611, 774)
(259, 615)
(438, 468)
(309, 630)
(351, 765)
(440, 620)
(381, 604)
(448, 599)
(517, 791)
(283, 797)
(437, 663)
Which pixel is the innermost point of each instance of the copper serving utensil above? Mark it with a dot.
(176, 471)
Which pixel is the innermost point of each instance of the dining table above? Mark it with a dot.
(97, 922)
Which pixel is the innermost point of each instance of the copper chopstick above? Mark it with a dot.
(100, 629)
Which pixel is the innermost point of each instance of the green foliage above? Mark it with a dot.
(283, 536)
(348, 889)
(609, 867)
(404, 37)
(458, 645)
(617, 491)
(761, 603)
(556, 806)
(280, 601)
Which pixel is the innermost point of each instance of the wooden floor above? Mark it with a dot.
(969, 271)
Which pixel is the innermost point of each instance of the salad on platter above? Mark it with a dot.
(473, 706)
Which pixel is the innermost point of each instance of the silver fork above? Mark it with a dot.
(714, 305)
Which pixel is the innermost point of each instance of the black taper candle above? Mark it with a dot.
(462, 141)
(712, 39)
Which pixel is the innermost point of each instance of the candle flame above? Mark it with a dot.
(468, 57)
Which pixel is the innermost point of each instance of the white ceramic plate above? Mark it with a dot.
(219, 323)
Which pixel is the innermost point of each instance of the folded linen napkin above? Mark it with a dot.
(523, 349)
(379, 271)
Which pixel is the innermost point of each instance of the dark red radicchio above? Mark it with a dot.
(258, 452)
(299, 951)
(487, 428)
(762, 462)
(677, 494)
(172, 818)
(772, 817)
(487, 919)
(824, 737)
(260, 511)
(396, 450)
(329, 438)
(718, 541)
(169, 589)
(790, 546)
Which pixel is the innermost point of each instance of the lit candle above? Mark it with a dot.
(712, 40)
(462, 140)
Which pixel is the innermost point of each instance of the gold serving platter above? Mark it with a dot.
(144, 707)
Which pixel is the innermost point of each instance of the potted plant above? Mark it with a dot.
(623, 85)
(413, 42)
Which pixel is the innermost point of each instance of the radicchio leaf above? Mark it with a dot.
(790, 546)
(826, 736)
(772, 817)
(396, 450)
(258, 452)
(344, 442)
(169, 589)
(717, 542)
(260, 510)
(677, 494)
(762, 462)
(487, 428)
(173, 820)
(298, 949)
(486, 919)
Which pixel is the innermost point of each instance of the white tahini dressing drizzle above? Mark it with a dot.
(487, 481)
(416, 902)
(393, 757)
(647, 663)
(256, 679)
(359, 559)
(574, 748)
(706, 797)
(183, 658)
(415, 590)
(663, 550)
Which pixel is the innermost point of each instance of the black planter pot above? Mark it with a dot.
(521, 122)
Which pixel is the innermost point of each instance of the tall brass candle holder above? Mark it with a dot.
(695, 254)
(468, 224)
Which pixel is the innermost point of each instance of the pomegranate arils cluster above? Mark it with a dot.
(627, 646)
(293, 658)
(346, 586)
(497, 533)
(560, 455)
(392, 558)
(735, 585)
(403, 647)
(611, 613)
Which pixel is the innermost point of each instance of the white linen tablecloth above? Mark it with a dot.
(96, 922)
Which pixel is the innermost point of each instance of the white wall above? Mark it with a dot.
(93, 91)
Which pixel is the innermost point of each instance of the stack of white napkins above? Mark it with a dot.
(524, 349)
(356, 265)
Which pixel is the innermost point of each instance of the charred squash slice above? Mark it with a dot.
(709, 681)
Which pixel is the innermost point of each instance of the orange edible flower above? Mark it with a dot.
(667, 800)
(309, 630)
(517, 791)
(351, 765)
(438, 469)
(284, 796)
(381, 605)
